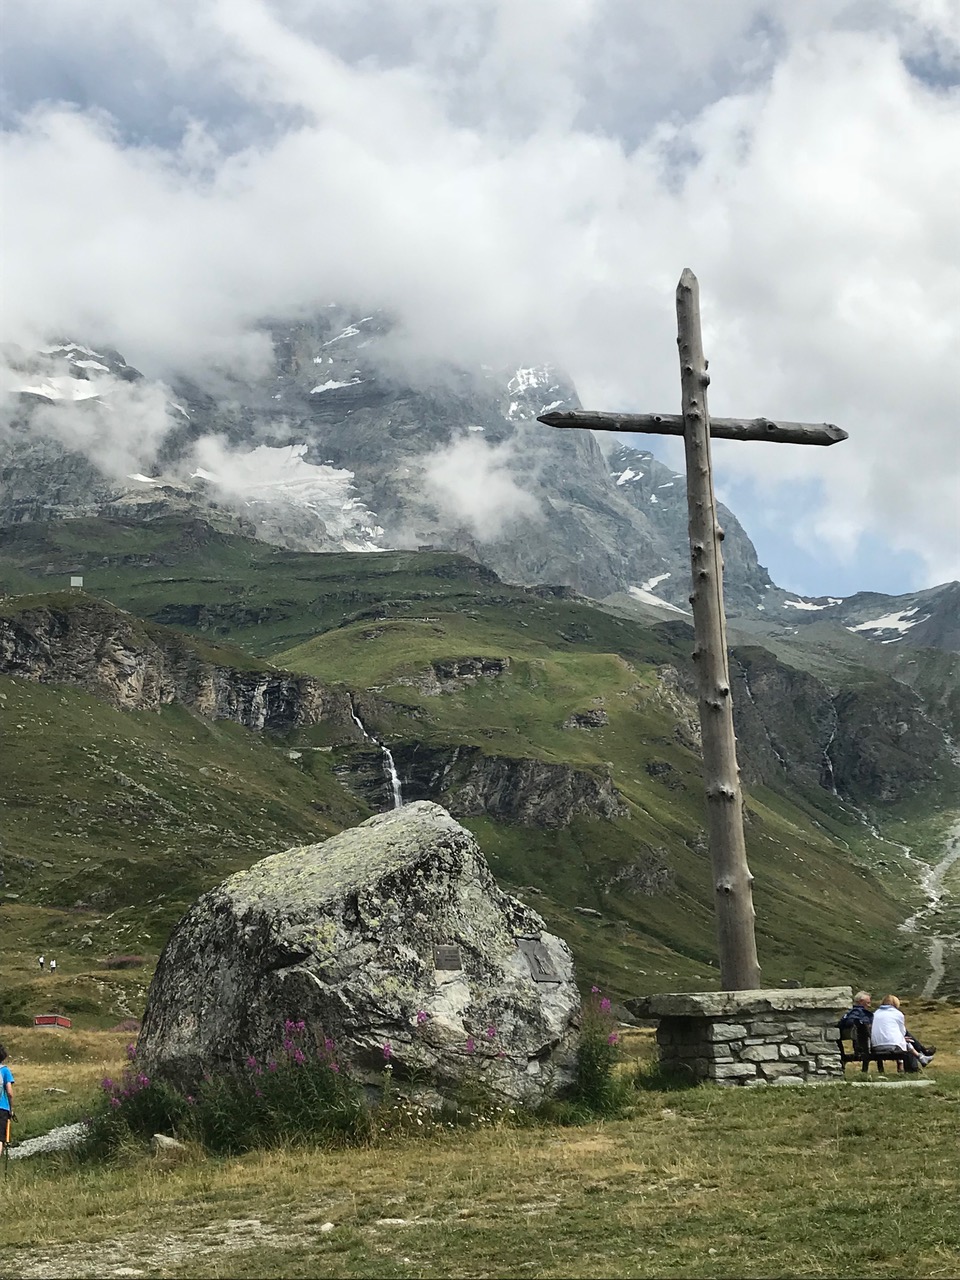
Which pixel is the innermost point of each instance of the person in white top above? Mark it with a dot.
(889, 1031)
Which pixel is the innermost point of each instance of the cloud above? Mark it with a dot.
(120, 429)
(517, 181)
(472, 483)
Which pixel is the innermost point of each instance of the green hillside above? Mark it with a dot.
(115, 820)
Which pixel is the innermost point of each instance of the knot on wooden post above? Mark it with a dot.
(725, 885)
(721, 792)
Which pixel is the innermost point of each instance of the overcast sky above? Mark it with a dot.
(523, 180)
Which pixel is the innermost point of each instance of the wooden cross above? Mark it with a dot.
(739, 967)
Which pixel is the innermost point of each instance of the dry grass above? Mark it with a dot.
(703, 1182)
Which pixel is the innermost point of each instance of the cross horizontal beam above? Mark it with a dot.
(671, 424)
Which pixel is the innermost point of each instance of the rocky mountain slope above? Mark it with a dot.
(339, 443)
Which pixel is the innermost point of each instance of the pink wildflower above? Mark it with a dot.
(388, 1050)
(594, 991)
(334, 1066)
(422, 1017)
(131, 1052)
(491, 1033)
(471, 1044)
(613, 1038)
(605, 1005)
(114, 1102)
(271, 1066)
(299, 1057)
(251, 1062)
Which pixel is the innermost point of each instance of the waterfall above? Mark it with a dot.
(394, 776)
(390, 766)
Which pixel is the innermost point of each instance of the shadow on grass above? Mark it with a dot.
(654, 1077)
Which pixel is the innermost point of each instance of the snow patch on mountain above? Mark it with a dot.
(803, 604)
(527, 379)
(647, 597)
(891, 622)
(332, 385)
(62, 388)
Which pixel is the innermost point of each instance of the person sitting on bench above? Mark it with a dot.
(888, 1034)
(860, 1015)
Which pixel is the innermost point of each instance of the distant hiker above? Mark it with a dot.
(6, 1099)
(53, 966)
(40, 960)
(889, 1032)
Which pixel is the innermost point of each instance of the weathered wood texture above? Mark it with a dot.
(739, 966)
(671, 424)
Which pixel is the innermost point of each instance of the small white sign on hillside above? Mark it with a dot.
(76, 583)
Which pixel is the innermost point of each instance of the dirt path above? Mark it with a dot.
(151, 1255)
(933, 885)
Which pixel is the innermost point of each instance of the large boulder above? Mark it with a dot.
(393, 940)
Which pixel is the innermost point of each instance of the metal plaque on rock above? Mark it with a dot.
(538, 959)
(447, 956)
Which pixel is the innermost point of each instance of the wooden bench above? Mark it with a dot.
(863, 1053)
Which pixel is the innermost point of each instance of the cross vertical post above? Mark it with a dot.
(733, 895)
(732, 881)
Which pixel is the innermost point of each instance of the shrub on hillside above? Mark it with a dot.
(122, 962)
(14, 1002)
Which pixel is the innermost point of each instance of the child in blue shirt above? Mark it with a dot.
(6, 1099)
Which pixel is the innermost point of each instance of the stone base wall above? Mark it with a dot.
(750, 1037)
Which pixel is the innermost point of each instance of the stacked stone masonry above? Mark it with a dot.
(750, 1037)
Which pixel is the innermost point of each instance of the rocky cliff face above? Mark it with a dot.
(142, 667)
(520, 791)
(870, 743)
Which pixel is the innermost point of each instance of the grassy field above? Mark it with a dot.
(836, 1180)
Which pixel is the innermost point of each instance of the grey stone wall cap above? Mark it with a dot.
(733, 1004)
(355, 858)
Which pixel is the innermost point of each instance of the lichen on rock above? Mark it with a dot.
(343, 936)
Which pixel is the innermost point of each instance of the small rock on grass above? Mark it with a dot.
(160, 1143)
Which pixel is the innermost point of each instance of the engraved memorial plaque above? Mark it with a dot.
(447, 956)
(538, 959)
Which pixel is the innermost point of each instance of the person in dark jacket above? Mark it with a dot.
(859, 1015)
